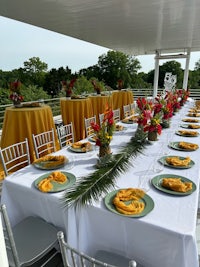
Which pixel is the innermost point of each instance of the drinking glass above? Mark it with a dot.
(158, 166)
(144, 182)
(70, 163)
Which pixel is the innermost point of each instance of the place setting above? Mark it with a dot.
(81, 147)
(129, 202)
(193, 114)
(176, 162)
(183, 146)
(190, 126)
(190, 120)
(120, 128)
(187, 133)
(130, 120)
(53, 162)
(53, 182)
(173, 184)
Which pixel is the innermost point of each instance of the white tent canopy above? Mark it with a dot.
(135, 27)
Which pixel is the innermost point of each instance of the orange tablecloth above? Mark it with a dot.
(75, 110)
(21, 123)
(99, 104)
(120, 99)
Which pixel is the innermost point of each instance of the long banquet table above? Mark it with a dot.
(164, 237)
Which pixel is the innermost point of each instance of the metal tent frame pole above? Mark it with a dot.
(158, 57)
(186, 71)
(156, 74)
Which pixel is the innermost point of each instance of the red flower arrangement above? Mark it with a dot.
(68, 87)
(97, 86)
(15, 89)
(150, 115)
(16, 98)
(120, 84)
(145, 109)
(183, 94)
(166, 106)
(104, 132)
(154, 124)
(174, 99)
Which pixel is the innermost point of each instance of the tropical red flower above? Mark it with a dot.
(15, 86)
(95, 126)
(104, 131)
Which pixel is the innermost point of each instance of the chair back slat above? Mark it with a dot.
(29, 241)
(88, 129)
(15, 156)
(44, 143)
(132, 108)
(65, 135)
(127, 111)
(73, 258)
(116, 115)
(8, 236)
(101, 118)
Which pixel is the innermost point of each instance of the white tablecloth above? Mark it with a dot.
(164, 237)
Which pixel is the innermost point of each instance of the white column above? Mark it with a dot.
(156, 75)
(186, 71)
(3, 253)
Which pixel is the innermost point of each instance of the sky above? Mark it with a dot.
(19, 42)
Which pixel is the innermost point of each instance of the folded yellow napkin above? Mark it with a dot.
(176, 161)
(130, 194)
(186, 145)
(190, 120)
(84, 146)
(51, 161)
(193, 126)
(185, 132)
(45, 185)
(193, 115)
(175, 184)
(119, 127)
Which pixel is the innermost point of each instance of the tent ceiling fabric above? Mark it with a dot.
(134, 27)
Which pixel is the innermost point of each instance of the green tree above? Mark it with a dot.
(82, 85)
(4, 96)
(170, 66)
(116, 65)
(175, 68)
(194, 79)
(140, 81)
(93, 71)
(53, 80)
(33, 93)
(35, 71)
(197, 65)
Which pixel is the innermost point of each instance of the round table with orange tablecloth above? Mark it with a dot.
(120, 99)
(21, 123)
(99, 103)
(75, 111)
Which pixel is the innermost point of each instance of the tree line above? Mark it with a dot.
(39, 83)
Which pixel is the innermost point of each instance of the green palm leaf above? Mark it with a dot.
(90, 188)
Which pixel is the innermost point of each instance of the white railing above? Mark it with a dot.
(54, 103)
